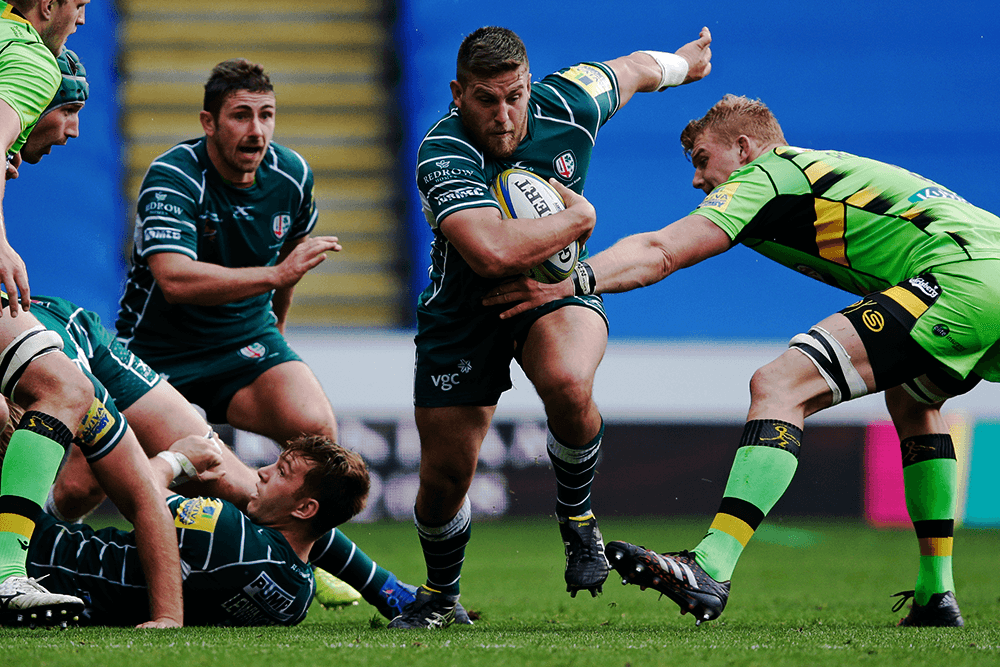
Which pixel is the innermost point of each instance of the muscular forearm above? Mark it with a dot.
(205, 284)
(635, 261)
(156, 541)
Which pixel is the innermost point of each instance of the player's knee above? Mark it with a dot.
(768, 384)
(565, 391)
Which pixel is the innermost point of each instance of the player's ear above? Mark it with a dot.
(744, 145)
(45, 8)
(207, 122)
(306, 509)
(456, 93)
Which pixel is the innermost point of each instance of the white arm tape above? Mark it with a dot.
(673, 68)
(181, 467)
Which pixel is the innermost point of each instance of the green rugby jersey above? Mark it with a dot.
(29, 74)
(235, 572)
(185, 206)
(853, 222)
(565, 112)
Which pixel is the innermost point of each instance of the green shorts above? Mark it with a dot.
(210, 378)
(119, 377)
(467, 361)
(951, 311)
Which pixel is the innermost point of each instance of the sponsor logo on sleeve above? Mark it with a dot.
(720, 197)
(161, 234)
(198, 514)
(590, 78)
(96, 423)
(469, 192)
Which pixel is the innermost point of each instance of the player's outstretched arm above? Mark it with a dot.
(635, 261)
(648, 71)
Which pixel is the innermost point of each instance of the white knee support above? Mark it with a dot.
(832, 362)
(28, 345)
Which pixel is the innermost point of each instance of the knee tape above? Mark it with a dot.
(29, 345)
(832, 362)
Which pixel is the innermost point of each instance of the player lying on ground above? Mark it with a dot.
(239, 569)
(159, 416)
(927, 263)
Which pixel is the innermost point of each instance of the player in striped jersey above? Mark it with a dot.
(499, 119)
(926, 263)
(239, 569)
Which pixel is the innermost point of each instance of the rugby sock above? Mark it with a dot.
(930, 481)
(30, 465)
(338, 555)
(765, 464)
(575, 469)
(444, 549)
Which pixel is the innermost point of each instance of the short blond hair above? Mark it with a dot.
(732, 116)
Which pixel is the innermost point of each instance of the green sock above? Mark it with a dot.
(930, 474)
(764, 466)
(29, 468)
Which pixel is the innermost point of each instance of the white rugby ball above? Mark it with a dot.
(523, 194)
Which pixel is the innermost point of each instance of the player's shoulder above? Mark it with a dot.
(590, 79)
(203, 513)
(287, 161)
(447, 147)
(185, 160)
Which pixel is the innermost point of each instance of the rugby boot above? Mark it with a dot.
(332, 592)
(430, 609)
(941, 611)
(586, 566)
(24, 602)
(676, 575)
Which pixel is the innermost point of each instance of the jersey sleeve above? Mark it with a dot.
(306, 215)
(450, 174)
(29, 79)
(589, 92)
(734, 204)
(168, 205)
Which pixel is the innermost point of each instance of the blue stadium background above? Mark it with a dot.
(913, 83)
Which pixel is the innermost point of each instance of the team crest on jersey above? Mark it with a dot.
(720, 197)
(590, 78)
(280, 224)
(198, 514)
(565, 165)
(254, 351)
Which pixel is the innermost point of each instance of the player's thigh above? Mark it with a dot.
(50, 383)
(162, 416)
(282, 403)
(564, 347)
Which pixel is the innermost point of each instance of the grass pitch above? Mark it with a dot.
(806, 593)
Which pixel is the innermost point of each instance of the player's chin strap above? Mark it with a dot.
(673, 68)
(832, 362)
(27, 346)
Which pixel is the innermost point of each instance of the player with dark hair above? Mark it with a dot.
(159, 415)
(221, 239)
(59, 401)
(240, 569)
(499, 119)
(927, 265)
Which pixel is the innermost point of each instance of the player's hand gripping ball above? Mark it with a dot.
(522, 194)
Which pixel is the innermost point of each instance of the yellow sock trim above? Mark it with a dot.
(739, 529)
(15, 523)
(936, 546)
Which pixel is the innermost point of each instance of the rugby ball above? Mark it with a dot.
(523, 194)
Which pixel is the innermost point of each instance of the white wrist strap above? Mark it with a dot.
(673, 68)
(180, 466)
